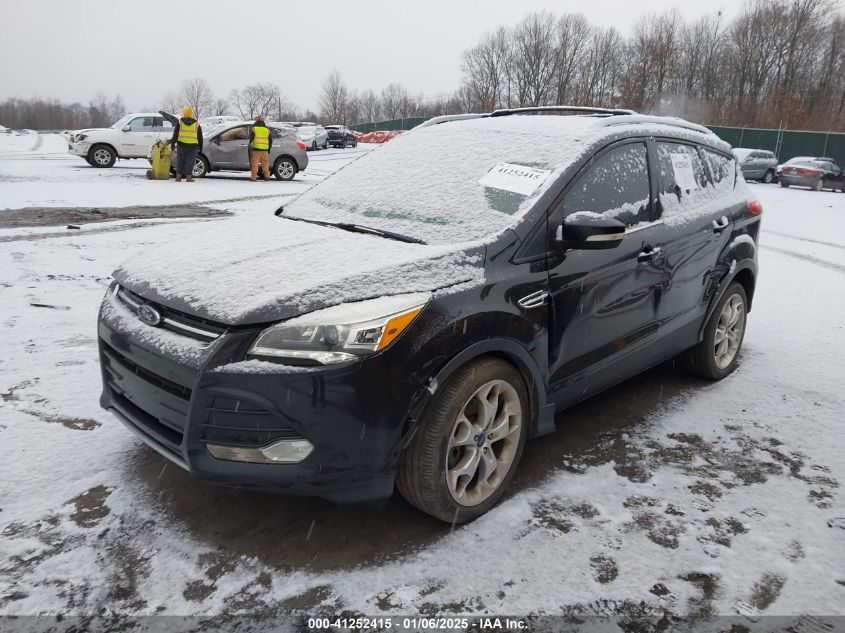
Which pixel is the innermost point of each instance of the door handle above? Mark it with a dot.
(721, 224)
(648, 253)
(534, 300)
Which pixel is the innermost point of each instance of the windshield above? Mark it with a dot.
(742, 154)
(449, 183)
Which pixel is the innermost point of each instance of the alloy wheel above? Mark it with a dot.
(102, 156)
(199, 168)
(285, 170)
(729, 331)
(483, 443)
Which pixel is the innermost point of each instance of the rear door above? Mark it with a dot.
(695, 224)
(603, 301)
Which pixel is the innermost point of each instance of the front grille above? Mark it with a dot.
(174, 320)
(152, 404)
(242, 423)
(159, 381)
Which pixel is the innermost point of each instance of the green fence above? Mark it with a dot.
(786, 144)
(392, 124)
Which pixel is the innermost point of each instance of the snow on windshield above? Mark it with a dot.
(426, 184)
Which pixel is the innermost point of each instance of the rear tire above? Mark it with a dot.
(101, 156)
(313, 146)
(717, 354)
(769, 177)
(784, 184)
(819, 185)
(468, 443)
(284, 168)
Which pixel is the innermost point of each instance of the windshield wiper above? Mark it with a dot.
(357, 228)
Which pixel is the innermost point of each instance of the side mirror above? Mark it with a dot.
(126, 128)
(216, 140)
(589, 231)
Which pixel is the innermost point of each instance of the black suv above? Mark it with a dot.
(401, 326)
(341, 136)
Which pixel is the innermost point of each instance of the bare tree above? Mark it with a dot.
(393, 100)
(334, 98)
(256, 99)
(198, 94)
(370, 106)
(485, 71)
(534, 59)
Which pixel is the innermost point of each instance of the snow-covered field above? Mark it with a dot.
(665, 494)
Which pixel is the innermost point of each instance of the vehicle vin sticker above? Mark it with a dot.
(515, 178)
(684, 176)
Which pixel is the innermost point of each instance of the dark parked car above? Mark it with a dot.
(418, 334)
(815, 174)
(341, 136)
(757, 164)
(802, 159)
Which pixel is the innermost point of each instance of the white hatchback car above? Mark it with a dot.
(130, 137)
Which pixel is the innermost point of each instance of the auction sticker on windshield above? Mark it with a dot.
(515, 178)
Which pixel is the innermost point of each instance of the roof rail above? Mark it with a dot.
(445, 118)
(661, 120)
(563, 108)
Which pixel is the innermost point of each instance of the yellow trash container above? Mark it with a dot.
(160, 161)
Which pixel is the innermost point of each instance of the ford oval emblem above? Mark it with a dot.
(149, 315)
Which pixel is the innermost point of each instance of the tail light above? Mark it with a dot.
(755, 207)
(807, 172)
(300, 144)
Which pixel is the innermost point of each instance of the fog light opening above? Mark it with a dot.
(281, 452)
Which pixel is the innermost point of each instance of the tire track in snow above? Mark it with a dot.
(806, 239)
(840, 268)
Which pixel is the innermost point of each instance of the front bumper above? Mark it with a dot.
(79, 149)
(354, 416)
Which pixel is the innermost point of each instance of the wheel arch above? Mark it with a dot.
(107, 144)
(541, 412)
(745, 274)
(289, 156)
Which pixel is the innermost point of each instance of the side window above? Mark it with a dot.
(722, 169)
(236, 134)
(681, 177)
(138, 124)
(615, 185)
(163, 123)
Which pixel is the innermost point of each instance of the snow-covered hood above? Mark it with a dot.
(243, 271)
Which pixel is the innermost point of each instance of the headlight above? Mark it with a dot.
(341, 333)
(81, 137)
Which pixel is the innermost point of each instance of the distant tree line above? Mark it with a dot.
(778, 63)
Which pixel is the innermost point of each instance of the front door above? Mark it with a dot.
(603, 310)
(233, 150)
(137, 140)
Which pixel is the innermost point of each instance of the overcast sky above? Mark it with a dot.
(70, 49)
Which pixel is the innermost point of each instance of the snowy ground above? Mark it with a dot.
(665, 494)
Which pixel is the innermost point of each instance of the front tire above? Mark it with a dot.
(717, 354)
(285, 168)
(200, 169)
(101, 156)
(468, 443)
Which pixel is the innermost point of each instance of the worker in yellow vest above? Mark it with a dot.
(260, 143)
(187, 140)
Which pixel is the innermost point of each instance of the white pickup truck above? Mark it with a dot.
(130, 137)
